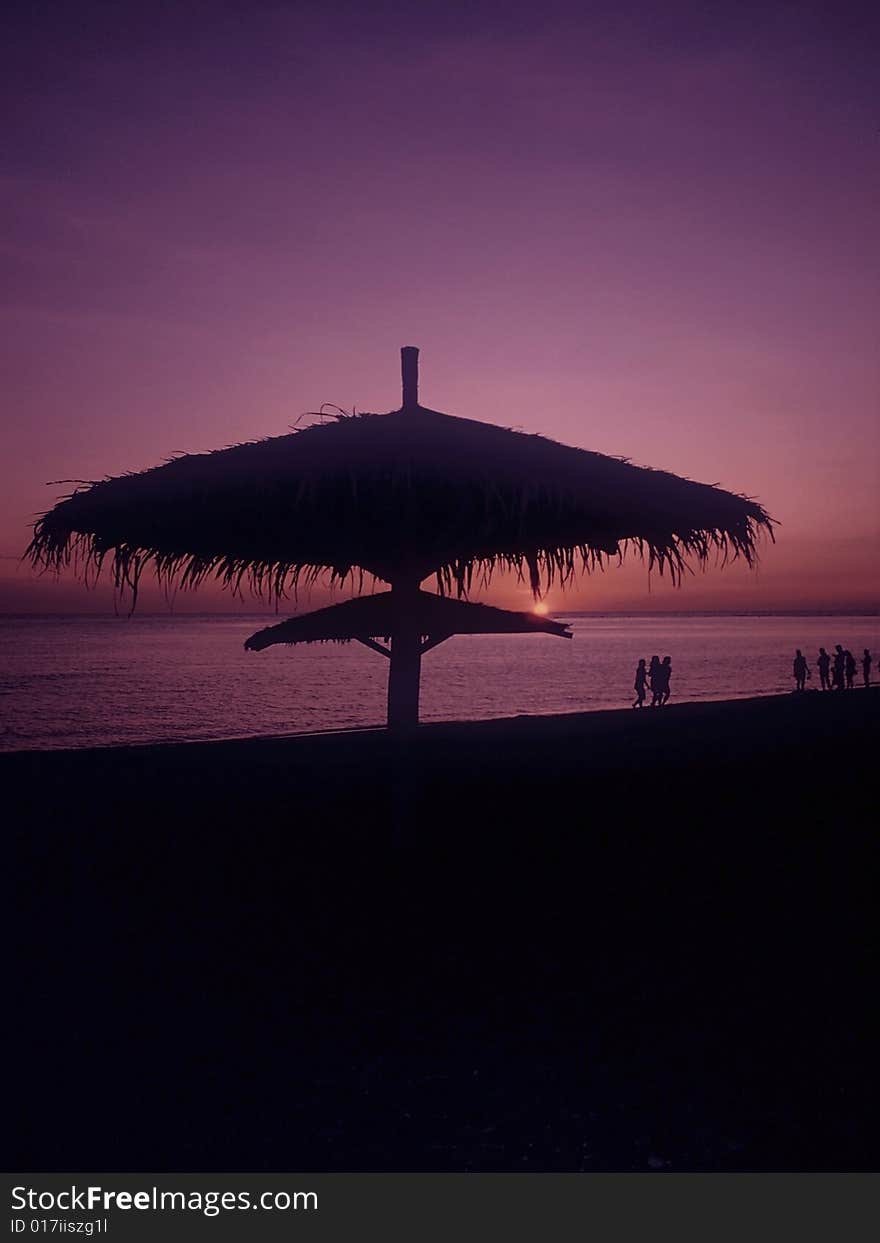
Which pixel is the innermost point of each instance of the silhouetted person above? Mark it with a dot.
(837, 668)
(640, 684)
(823, 664)
(665, 674)
(656, 680)
(866, 667)
(800, 670)
(849, 666)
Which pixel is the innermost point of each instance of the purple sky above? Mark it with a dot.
(646, 230)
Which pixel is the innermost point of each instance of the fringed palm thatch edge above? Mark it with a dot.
(675, 554)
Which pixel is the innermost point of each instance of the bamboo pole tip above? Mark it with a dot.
(409, 372)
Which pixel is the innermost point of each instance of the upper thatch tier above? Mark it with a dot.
(374, 617)
(401, 495)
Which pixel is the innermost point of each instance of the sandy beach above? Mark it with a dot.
(343, 953)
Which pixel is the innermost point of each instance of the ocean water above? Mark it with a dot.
(93, 681)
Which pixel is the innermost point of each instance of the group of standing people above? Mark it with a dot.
(656, 676)
(836, 672)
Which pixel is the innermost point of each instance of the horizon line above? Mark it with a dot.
(169, 613)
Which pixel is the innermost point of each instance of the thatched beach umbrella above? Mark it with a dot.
(400, 497)
(368, 618)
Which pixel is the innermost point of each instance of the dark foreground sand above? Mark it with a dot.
(618, 941)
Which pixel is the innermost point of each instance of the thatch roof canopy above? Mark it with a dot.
(412, 493)
(399, 496)
(375, 617)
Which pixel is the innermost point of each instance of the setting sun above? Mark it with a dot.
(540, 607)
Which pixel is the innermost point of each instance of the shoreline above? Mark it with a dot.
(575, 719)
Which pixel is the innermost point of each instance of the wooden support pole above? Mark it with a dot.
(434, 640)
(374, 647)
(406, 658)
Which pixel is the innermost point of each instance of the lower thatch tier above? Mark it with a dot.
(379, 617)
